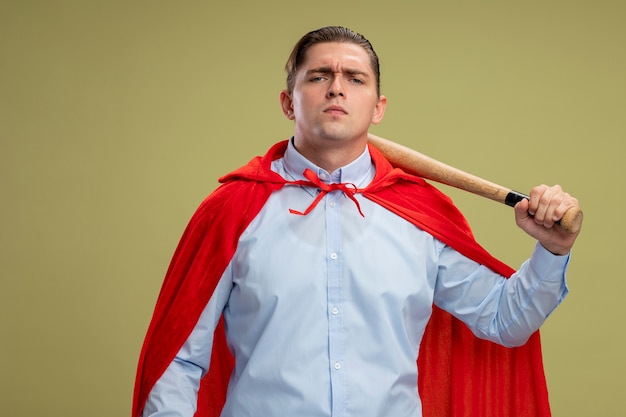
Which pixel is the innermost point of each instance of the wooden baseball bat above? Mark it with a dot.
(421, 165)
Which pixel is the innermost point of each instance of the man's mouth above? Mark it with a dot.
(335, 110)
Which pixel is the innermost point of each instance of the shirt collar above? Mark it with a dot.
(359, 172)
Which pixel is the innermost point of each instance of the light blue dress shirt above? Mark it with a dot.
(325, 312)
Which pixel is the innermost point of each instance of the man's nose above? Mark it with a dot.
(336, 88)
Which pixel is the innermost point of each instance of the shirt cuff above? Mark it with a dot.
(548, 266)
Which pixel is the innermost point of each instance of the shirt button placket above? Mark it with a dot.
(335, 298)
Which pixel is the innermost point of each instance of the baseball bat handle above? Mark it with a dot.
(424, 166)
(570, 222)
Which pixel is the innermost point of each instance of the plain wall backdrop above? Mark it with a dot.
(117, 118)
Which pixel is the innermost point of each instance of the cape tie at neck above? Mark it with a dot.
(348, 189)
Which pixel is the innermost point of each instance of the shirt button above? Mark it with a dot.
(337, 365)
(333, 255)
(335, 310)
(332, 204)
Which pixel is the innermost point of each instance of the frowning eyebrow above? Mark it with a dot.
(328, 70)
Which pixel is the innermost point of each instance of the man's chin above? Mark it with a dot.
(338, 135)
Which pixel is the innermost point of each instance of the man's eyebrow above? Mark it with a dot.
(328, 70)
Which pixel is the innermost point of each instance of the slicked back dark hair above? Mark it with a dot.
(325, 35)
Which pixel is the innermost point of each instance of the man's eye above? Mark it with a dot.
(318, 79)
(356, 81)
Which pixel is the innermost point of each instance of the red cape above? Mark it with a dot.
(459, 374)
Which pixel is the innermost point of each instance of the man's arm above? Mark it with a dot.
(175, 394)
(504, 311)
(508, 311)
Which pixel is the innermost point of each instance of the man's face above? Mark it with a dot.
(334, 95)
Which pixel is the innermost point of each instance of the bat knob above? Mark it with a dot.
(572, 220)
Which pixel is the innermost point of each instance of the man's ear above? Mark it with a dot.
(379, 110)
(286, 103)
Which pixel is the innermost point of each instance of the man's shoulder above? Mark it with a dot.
(227, 196)
(235, 201)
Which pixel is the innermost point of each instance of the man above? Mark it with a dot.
(319, 264)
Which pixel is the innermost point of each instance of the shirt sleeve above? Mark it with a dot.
(175, 394)
(505, 311)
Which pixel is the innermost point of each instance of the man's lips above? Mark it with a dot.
(335, 110)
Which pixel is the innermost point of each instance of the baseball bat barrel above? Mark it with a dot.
(424, 166)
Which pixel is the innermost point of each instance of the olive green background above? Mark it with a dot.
(117, 117)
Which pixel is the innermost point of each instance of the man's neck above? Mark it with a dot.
(330, 154)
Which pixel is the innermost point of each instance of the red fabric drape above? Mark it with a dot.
(459, 374)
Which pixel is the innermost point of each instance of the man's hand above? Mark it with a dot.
(538, 217)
